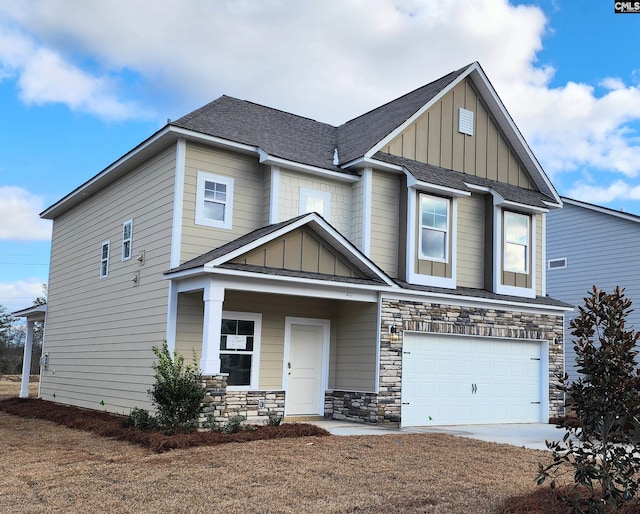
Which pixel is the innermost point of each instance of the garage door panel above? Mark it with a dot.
(458, 380)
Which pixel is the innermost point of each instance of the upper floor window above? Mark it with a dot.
(104, 259)
(127, 239)
(312, 200)
(516, 242)
(434, 228)
(214, 200)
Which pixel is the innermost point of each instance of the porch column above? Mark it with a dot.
(26, 360)
(213, 299)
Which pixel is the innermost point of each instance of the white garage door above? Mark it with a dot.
(453, 380)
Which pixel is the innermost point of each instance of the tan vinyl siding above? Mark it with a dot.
(249, 196)
(274, 308)
(341, 209)
(357, 192)
(189, 325)
(385, 221)
(434, 138)
(471, 241)
(100, 331)
(356, 347)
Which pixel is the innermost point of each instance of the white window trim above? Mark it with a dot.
(527, 248)
(106, 243)
(447, 232)
(255, 360)
(129, 239)
(498, 287)
(412, 239)
(200, 219)
(325, 196)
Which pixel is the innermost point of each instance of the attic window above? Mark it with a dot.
(557, 263)
(465, 121)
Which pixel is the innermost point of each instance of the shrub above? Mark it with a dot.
(233, 425)
(141, 419)
(177, 392)
(606, 406)
(274, 419)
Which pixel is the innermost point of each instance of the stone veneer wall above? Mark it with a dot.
(222, 404)
(443, 319)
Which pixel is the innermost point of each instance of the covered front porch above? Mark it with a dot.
(34, 314)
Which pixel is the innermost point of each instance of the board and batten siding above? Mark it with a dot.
(341, 208)
(248, 210)
(601, 249)
(471, 242)
(100, 332)
(434, 138)
(385, 221)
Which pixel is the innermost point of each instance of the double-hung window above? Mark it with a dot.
(127, 239)
(239, 348)
(214, 200)
(104, 259)
(434, 228)
(516, 242)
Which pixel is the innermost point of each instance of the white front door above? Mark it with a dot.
(305, 365)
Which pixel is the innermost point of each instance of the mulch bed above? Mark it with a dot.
(111, 425)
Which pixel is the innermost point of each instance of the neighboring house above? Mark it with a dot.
(390, 269)
(590, 245)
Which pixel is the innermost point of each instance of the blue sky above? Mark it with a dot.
(81, 83)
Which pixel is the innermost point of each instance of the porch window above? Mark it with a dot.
(239, 345)
(516, 242)
(434, 228)
(214, 200)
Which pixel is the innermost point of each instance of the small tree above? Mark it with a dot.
(606, 406)
(177, 392)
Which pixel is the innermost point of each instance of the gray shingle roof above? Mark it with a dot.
(457, 180)
(358, 136)
(303, 140)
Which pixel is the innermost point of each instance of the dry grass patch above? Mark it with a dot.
(55, 468)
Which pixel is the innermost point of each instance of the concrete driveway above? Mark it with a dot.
(527, 435)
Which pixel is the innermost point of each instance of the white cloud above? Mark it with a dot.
(20, 294)
(329, 60)
(605, 193)
(19, 219)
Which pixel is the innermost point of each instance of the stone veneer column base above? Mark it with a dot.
(361, 407)
(220, 404)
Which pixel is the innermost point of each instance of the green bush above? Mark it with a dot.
(275, 420)
(177, 392)
(141, 419)
(233, 425)
(606, 404)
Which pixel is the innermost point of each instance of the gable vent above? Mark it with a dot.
(465, 121)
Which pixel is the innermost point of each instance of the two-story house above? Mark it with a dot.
(390, 269)
(589, 245)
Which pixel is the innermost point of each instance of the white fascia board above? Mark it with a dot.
(247, 281)
(327, 231)
(419, 185)
(514, 136)
(470, 301)
(35, 312)
(367, 162)
(265, 158)
(390, 137)
(523, 207)
(217, 141)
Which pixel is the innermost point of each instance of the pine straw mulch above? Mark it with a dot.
(111, 425)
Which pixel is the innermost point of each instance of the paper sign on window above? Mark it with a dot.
(236, 342)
